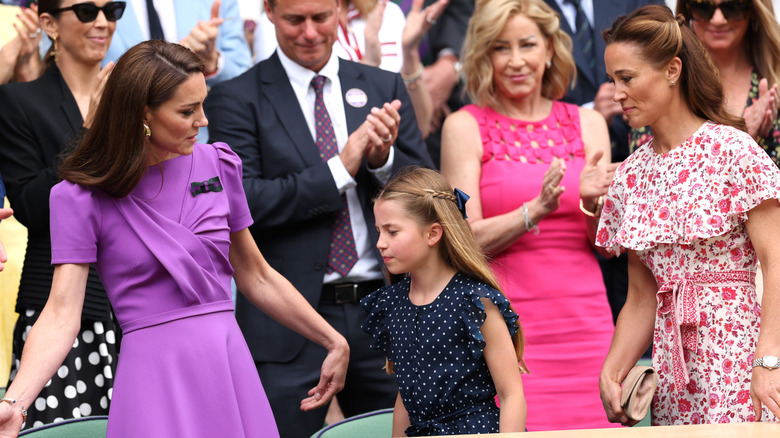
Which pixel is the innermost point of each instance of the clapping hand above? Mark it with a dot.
(760, 116)
(373, 138)
(550, 195)
(202, 39)
(94, 97)
(419, 20)
(596, 177)
(373, 52)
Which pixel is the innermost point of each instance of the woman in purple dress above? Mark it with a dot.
(165, 221)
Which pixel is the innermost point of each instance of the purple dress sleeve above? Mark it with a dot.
(231, 175)
(75, 224)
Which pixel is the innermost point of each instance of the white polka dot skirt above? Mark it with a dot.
(82, 385)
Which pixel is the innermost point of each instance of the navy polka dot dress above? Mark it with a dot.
(436, 350)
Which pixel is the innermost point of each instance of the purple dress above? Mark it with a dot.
(162, 254)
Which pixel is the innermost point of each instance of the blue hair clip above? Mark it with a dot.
(460, 199)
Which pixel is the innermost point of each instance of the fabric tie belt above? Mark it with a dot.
(678, 298)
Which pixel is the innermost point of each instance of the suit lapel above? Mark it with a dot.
(352, 78)
(277, 89)
(67, 104)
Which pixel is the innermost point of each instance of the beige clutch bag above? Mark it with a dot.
(638, 390)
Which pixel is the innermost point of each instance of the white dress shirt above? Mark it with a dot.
(167, 16)
(570, 12)
(367, 266)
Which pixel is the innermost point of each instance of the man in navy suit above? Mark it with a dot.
(296, 196)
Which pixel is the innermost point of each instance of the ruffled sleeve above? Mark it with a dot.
(75, 223)
(375, 304)
(473, 314)
(703, 190)
(231, 174)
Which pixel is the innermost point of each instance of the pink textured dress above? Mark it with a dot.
(552, 278)
(684, 213)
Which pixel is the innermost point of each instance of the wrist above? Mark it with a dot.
(16, 405)
(591, 207)
(214, 64)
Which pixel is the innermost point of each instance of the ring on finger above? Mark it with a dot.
(430, 20)
(35, 34)
(387, 139)
(552, 187)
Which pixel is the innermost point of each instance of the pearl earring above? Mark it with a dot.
(549, 63)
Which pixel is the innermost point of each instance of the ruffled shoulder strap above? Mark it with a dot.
(473, 314)
(376, 305)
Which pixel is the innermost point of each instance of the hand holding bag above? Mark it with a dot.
(638, 389)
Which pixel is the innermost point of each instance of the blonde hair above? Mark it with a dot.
(762, 38)
(489, 19)
(427, 198)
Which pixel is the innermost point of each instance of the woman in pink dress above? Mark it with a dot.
(536, 169)
(695, 208)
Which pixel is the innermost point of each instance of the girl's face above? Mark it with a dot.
(85, 43)
(403, 242)
(641, 89)
(519, 56)
(175, 123)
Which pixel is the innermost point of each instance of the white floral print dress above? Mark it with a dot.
(684, 213)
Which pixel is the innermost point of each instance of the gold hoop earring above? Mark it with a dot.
(147, 131)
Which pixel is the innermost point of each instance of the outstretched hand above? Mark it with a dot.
(202, 39)
(332, 376)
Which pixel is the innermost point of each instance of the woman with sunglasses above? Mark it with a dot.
(743, 39)
(695, 209)
(38, 120)
(165, 220)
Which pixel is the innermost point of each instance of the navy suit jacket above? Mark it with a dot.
(604, 14)
(290, 190)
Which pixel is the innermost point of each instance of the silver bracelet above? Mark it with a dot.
(528, 225)
(414, 77)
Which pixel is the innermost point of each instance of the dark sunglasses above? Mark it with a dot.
(732, 10)
(88, 12)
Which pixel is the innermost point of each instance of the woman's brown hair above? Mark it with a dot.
(114, 153)
(425, 196)
(661, 37)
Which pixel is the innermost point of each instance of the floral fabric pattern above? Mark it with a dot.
(770, 143)
(684, 212)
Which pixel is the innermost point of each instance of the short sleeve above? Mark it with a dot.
(75, 221)
(375, 304)
(231, 175)
(473, 315)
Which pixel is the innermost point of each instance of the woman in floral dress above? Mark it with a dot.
(744, 44)
(695, 208)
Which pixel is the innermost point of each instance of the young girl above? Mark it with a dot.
(447, 330)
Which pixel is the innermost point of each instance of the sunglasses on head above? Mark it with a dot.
(88, 12)
(732, 10)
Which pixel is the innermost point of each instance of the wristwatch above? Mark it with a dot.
(769, 362)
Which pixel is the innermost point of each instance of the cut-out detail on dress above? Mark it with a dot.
(505, 138)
